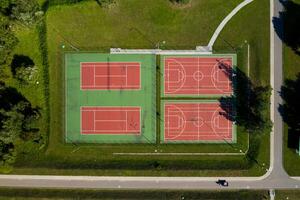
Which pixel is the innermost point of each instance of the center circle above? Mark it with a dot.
(198, 122)
(198, 76)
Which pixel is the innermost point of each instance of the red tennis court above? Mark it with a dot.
(110, 120)
(196, 122)
(198, 75)
(110, 76)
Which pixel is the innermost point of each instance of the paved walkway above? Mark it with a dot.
(225, 21)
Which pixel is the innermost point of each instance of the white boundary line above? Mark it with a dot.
(135, 134)
(198, 64)
(178, 135)
(113, 62)
(222, 56)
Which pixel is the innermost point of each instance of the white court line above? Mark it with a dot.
(221, 134)
(184, 64)
(111, 65)
(183, 73)
(94, 124)
(94, 69)
(132, 132)
(126, 121)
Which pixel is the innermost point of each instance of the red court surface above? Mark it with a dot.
(197, 76)
(110, 120)
(110, 76)
(196, 122)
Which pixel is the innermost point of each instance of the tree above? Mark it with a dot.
(24, 10)
(4, 5)
(286, 25)
(252, 105)
(17, 123)
(22, 68)
(7, 40)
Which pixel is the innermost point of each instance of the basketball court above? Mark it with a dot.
(201, 121)
(198, 76)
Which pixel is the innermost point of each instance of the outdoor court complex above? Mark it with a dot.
(115, 98)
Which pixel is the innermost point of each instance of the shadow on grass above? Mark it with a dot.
(19, 61)
(290, 109)
(9, 97)
(248, 108)
(287, 25)
(251, 104)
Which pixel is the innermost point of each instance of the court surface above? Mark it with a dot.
(197, 122)
(110, 75)
(198, 75)
(110, 120)
(110, 98)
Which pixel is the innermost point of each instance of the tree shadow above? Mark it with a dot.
(287, 25)
(9, 97)
(290, 93)
(20, 61)
(249, 105)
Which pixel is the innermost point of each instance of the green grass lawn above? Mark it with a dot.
(137, 24)
(39, 194)
(287, 195)
(291, 68)
(291, 158)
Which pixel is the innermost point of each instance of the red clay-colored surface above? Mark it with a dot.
(196, 122)
(110, 76)
(110, 120)
(197, 75)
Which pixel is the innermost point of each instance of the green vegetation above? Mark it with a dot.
(21, 111)
(24, 11)
(88, 26)
(287, 195)
(18, 194)
(8, 41)
(291, 91)
(180, 1)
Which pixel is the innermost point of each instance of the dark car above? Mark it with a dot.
(222, 182)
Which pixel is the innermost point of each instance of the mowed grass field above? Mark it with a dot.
(287, 194)
(136, 24)
(43, 194)
(291, 69)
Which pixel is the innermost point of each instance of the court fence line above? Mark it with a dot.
(198, 51)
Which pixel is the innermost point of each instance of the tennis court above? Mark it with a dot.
(110, 120)
(204, 121)
(198, 75)
(110, 75)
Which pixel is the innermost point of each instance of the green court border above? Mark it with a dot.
(162, 82)
(145, 97)
(162, 113)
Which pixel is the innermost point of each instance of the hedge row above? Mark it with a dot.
(42, 33)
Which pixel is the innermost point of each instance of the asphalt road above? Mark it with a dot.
(274, 178)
